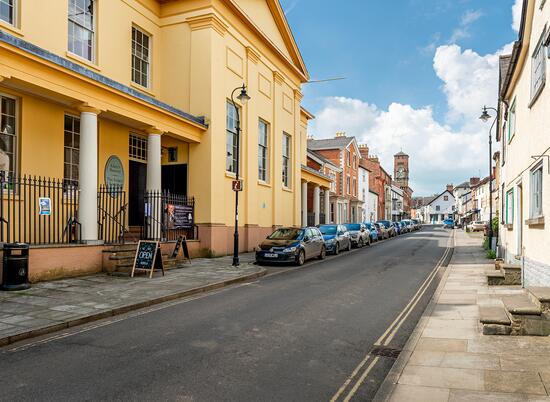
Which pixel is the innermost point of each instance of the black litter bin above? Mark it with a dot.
(15, 267)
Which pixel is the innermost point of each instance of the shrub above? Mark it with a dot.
(491, 255)
(486, 243)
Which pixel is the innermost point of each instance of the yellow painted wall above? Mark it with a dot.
(195, 67)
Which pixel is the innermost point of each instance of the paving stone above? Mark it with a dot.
(442, 377)
(471, 360)
(458, 395)
(426, 358)
(510, 362)
(442, 345)
(412, 393)
(526, 382)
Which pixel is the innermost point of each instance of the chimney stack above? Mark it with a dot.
(364, 150)
(450, 188)
(340, 134)
(474, 181)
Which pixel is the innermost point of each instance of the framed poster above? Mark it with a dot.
(44, 206)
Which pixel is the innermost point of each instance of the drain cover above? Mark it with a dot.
(384, 351)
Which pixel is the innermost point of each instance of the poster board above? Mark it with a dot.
(148, 258)
(181, 243)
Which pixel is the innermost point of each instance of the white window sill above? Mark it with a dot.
(287, 189)
(82, 60)
(264, 184)
(535, 222)
(231, 175)
(11, 28)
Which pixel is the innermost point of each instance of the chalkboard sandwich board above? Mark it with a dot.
(148, 258)
(181, 243)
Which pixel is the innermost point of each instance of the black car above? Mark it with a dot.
(292, 245)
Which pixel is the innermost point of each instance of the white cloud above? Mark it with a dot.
(516, 15)
(467, 19)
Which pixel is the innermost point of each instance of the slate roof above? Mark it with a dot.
(418, 202)
(401, 153)
(504, 65)
(330, 143)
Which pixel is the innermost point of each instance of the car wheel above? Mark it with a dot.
(337, 248)
(323, 254)
(360, 243)
(301, 258)
(349, 246)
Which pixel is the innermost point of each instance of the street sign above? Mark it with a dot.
(237, 185)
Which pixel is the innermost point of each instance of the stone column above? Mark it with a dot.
(327, 206)
(317, 203)
(87, 174)
(153, 183)
(304, 203)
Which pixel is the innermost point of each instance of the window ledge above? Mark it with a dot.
(82, 60)
(533, 222)
(230, 175)
(509, 226)
(264, 184)
(146, 90)
(11, 28)
(287, 189)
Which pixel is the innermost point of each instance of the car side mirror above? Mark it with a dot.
(306, 238)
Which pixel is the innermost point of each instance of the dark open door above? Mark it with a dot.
(174, 179)
(136, 193)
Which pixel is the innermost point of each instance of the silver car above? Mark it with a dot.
(359, 234)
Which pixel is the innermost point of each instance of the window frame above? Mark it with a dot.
(70, 181)
(534, 210)
(265, 148)
(539, 52)
(286, 168)
(143, 150)
(15, 14)
(16, 139)
(512, 119)
(93, 55)
(510, 207)
(149, 57)
(235, 139)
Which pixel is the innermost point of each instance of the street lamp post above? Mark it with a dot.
(485, 116)
(243, 97)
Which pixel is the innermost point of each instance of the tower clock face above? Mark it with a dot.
(401, 174)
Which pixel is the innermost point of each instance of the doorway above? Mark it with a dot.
(137, 182)
(174, 179)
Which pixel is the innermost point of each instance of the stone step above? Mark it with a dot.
(495, 320)
(495, 278)
(129, 247)
(540, 296)
(521, 305)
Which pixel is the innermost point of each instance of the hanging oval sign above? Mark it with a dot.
(114, 173)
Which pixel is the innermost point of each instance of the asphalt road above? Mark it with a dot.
(302, 334)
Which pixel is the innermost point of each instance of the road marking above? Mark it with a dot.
(391, 330)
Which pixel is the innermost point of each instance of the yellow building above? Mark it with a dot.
(138, 93)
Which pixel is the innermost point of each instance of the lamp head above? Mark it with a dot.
(485, 116)
(243, 96)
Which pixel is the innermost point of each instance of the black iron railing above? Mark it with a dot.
(111, 214)
(38, 210)
(168, 216)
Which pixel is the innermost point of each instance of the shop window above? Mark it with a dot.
(286, 159)
(8, 136)
(71, 158)
(141, 43)
(8, 11)
(263, 154)
(137, 148)
(82, 28)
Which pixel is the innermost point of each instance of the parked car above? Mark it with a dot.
(477, 226)
(397, 227)
(336, 237)
(417, 224)
(389, 227)
(409, 224)
(404, 227)
(359, 234)
(382, 231)
(449, 223)
(373, 231)
(292, 245)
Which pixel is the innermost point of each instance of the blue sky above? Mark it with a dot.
(405, 62)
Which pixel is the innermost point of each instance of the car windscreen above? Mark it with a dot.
(328, 230)
(385, 223)
(286, 234)
(353, 226)
(368, 225)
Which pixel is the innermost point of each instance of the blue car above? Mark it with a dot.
(397, 227)
(336, 238)
(373, 232)
(448, 223)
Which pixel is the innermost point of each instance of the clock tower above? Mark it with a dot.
(401, 169)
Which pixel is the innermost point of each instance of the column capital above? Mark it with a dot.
(278, 77)
(154, 130)
(205, 21)
(86, 108)
(252, 54)
(298, 95)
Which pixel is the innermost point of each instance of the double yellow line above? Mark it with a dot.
(388, 335)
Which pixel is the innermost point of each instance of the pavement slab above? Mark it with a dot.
(67, 301)
(449, 359)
